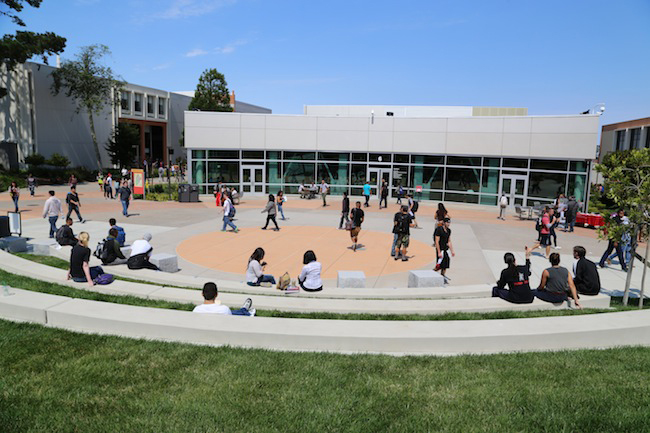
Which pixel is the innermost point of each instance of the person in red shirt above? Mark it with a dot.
(545, 231)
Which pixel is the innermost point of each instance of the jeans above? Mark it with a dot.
(95, 271)
(571, 223)
(627, 252)
(53, 220)
(324, 195)
(271, 218)
(344, 217)
(384, 199)
(367, 201)
(74, 209)
(392, 249)
(125, 207)
(281, 211)
(240, 312)
(263, 279)
(227, 222)
(554, 298)
(619, 252)
(15, 199)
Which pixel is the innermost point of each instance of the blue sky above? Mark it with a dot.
(554, 57)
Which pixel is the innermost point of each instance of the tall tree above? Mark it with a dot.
(123, 143)
(211, 93)
(21, 46)
(627, 182)
(90, 84)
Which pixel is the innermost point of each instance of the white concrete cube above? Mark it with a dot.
(425, 278)
(13, 244)
(351, 279)
(41, 247)
(165, 262)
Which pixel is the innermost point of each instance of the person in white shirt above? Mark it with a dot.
(324, 187)
(227, 209)
(214, 306)
(255, 270)
(503, 203)
(140, 252)
(301, 190)
(309, 279)
(52, 210)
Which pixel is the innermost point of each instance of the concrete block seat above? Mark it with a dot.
(344, 336)
(165, 262)
(13, 244)
(41, 247)
(351, 279)
(425, 278)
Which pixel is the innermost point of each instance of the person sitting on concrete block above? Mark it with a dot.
(213, 306)
(79, 269)
(586, 279)
(140, 252)
(557, 283)
(516, 277)
(112, 254)
(64, 234)
(121, 234)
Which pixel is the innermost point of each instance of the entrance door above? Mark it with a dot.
(252, 179)
(515, 187)
(376, 176)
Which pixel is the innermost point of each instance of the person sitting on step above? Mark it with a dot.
(556, 284)
(212, 305)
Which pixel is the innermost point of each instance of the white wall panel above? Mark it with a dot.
(348, 140)
(380, 141)
(290, 139)
(253, 138)
(211, 120)
(565, 124)
(579, 146)
(519, 125)
(258, 122)
(420, 125)
(343, 123)
(274, 121)
(516, 145)
(473, 143)
(419, 142)
(475, 124)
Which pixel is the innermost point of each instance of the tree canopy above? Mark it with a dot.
(122, 145)
(21, 46)
(211, 92)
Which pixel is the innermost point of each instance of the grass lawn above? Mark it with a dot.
(60, 381)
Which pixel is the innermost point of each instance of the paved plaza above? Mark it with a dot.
(192, 231)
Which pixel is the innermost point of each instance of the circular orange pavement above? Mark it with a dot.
(229, 252)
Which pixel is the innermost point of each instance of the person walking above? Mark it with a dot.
(281, 200)
(72, 199)
(441, 214)
(384, 195)
(571, 213)
(228, 213)
(52, 211)
(442, 239)
(345, 210)
(544, 232)
(503, 204)
(125, 198)
(413, 208)
(366, 194)
(615, 244)
(108, 186)
(357, 217)
(31, 184)
(161, 171)
(271, 211)
(402, 222)
(14, 192)
(324, 189)
(400, 193)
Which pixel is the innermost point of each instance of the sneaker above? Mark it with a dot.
(396, 257)
(437, 268)
(558, 248)
(266, 285)
(236, 230)
(405, 259)
(224, 230)
(248, 303)
(263, 228)
(252, 312)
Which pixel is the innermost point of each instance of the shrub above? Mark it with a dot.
(35, 160)
(58, 160)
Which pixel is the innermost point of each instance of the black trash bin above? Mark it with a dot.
(194, 193)
(4, 226)
(184, 193)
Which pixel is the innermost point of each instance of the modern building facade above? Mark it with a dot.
(631, 134)
(449, 153)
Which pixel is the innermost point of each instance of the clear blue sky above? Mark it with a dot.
(554, 57)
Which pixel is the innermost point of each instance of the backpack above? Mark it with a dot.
(538, 224)
(101, 250)
(415, 207)
(59, 235)
(403, 222)
(121, 235)
(232, 212)
(104, 279)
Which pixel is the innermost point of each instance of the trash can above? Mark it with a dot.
(4, 226)
(184, 193)
(194, 193)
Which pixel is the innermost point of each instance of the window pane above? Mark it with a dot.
(299, 155)
(546, 185)
(223, 154)
(138, 102)
(334, 173)
(161, 106)
(359, 157)
(273, 155)
(227, 172)
(515, 163)
(126, 101)
(635, 137)
(491, 162)
(400, 176)
(332, 156)
(463, 179)
(273, 172)
(198, 171)
(296, 172)
(359, 174)
(252, 154)
(401, 158)
(198, 154)
(463, 198)
(375, 157)
(489, 200)
(150, 106)
(620, 139)
(490, 181)
(577, 186)
(548, 164)
(428, 177)
(428, 159)
(462, 160)
(432, 195)
(580, 166)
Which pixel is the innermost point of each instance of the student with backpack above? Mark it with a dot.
(228, 214)
(402, 222)
(79, 270)
(64, 235)
(400, 193)
(121, 235)
(413, 208)
(108, 250)
(503, 203)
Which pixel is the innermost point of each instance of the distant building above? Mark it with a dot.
(631, 134)
(35, 121)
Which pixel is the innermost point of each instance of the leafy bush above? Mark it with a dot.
(600, 203)
(58, 160)
(35, 159)
(7, 177)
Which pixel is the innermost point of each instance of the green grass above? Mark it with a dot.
(60, 381)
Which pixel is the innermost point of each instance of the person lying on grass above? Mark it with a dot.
(212, 305)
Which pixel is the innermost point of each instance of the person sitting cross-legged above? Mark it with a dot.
(309, 279)
(516, 278)
(556, 284)
(255, 270)
(212, 305)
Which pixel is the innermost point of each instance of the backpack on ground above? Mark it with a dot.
(415, 207)
(283, 282)
(104, 279)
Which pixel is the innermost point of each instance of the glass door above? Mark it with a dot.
(252, 179)
(376, 176)
(514, 187)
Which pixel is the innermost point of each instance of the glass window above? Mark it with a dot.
(198, 171)
(546, 185)
(162, 107)
(223, 154)
(151, 108)
(580, 166)
(227, 172)
(428, 159)
(647, 136)
(125, 101)
(296, 172)
(332, 156)
(137, 99)
(401, 158)
(577, 186)
(359, 174)
(359, 157)
(515, 163)
(462, 198)
(463, 179)
(400, 176)
(490, 200)
(548, 164)
(462, 160)
(428, 177)
(334, 173)
(432, 195)
(252, 154)
(620, 140)
(635, 138)
(491, 162)
(490, 181)
(339, 190)
(380, 157)
(198, 154)
(273, 172)
(300, 155)
(273, 155)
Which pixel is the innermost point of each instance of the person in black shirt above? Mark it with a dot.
(516, 278)
(587, 280)
(356, 215)
(73, 203)
(345, 210)
(442, 238)
(402, 222)
(64, 234)
(79, 270)
(614, 244)
(125, 196)
(384, 195)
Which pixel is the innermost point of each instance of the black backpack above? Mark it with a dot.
(403, 222)
(104, 250)
(59, 235)
(415, 206)
(538, 224)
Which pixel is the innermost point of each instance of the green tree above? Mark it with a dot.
(35, 159)
(123, 144)
(90, 84)
(58, 160)
(627, 182)
(21, 46)
(211, 93)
